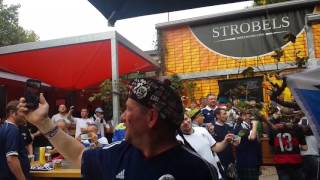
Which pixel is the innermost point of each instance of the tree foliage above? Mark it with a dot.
(176, 84)
(190, 87)
(265, 2)
(10, 31)
(105, 94)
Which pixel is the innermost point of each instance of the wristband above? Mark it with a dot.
(50, 134)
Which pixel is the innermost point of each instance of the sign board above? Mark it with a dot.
(251, 36)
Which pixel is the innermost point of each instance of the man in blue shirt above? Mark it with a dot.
(208, 111)
(14, 163)
(249, 150)
(152, 116)
(221, 129)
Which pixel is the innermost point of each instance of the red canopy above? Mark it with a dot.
(76, 62)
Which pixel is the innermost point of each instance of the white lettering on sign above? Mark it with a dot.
(234, 29)
(252, 27)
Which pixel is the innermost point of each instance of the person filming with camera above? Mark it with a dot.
(152, 116)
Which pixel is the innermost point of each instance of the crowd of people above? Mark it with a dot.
(162, 137)
(18, 137)
(294, 148)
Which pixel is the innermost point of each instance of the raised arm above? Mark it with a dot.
(66, 145)
(69, 115)
(253, 133)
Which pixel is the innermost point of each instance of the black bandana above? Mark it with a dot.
(153, 93)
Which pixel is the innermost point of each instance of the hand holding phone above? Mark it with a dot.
(71, 109)
(32, 92)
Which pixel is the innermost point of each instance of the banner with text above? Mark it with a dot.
(252, 36)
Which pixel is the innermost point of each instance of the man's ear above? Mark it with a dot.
(152, 121)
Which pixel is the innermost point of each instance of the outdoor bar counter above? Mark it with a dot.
(65, 172)
(56, 174)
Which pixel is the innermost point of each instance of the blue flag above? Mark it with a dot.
(305, 87)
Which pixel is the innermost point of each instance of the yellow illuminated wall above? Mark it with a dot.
(316, 39)
(184, 54)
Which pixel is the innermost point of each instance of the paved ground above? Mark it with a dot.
(270, 177)
(268, 173)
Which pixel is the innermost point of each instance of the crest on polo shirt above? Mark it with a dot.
(167, 177)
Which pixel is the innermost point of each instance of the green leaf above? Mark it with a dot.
(10, 31)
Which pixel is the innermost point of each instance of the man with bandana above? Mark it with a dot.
(152, 117)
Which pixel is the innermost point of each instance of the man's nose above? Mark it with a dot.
(122, 117)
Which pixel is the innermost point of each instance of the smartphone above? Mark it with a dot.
(32, 92)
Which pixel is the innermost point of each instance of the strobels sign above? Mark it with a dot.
(253, 36)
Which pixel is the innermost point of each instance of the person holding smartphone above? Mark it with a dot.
(104, 126)
(152, 116)
(63, 114)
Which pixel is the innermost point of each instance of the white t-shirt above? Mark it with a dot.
(82, 123)
(59, 116)
(202, 141)
(312, 146)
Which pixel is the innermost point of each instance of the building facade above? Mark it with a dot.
(215, 51)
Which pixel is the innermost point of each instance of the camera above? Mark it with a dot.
(32, 91)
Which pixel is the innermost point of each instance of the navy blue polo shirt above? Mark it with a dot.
(121, 160)
(208, 114)
(25, 134)
(248, 152)
(12, 144)
(220, 131)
